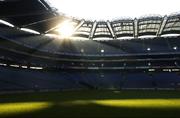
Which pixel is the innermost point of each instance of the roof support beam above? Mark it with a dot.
(111, 30)
(93, 30)
(27, 14)
(41, 21)
(76, 28)
(47, 4)
(43, 4)
(53, 28)
(135, 28)
(162, 25)
(79, 25)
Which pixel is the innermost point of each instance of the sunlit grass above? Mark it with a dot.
(17, 108)
(131, 103)
(141, 103)
(76, 104)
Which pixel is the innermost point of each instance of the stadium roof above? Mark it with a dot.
(40, 17)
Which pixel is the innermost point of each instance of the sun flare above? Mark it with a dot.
(65, 29)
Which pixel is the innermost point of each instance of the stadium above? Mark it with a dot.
(56, 65)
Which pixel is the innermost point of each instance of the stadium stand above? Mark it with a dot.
(25, 79)
(117, 54)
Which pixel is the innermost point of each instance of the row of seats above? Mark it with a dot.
(24, 79)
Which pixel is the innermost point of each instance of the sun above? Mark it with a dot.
(65, 29)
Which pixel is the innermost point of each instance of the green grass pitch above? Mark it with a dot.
(91, 104)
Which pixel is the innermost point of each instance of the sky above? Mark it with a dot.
(114, 9)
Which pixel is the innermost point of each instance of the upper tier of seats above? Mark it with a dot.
(91, 47)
